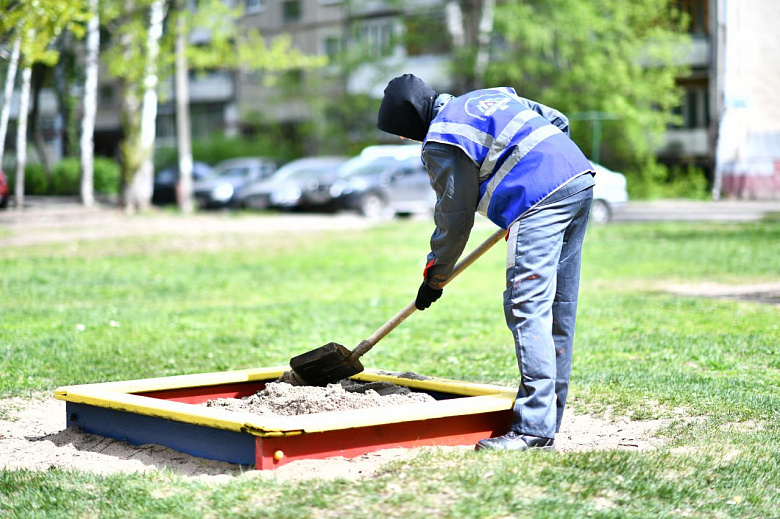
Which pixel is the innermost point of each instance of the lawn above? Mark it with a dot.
(117, 309)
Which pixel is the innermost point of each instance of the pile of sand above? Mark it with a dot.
(281, 398)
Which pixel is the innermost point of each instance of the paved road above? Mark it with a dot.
(686, 210)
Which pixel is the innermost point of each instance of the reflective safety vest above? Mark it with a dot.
(522, 157)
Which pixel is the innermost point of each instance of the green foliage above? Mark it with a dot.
(38, 23)
(35, 181)
(218, 148)
(65, 177)
(656, 180)
(106, 176)
(347, 126)
(606, 56)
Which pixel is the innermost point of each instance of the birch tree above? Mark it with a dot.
(8, 91)
(129, 23)
(21, 132)
(184, 193)
(87, 148)
(139, 192)
(38, 23)
(470, 24)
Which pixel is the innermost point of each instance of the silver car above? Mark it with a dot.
(384, 187)
(299, 184)
(230, 176)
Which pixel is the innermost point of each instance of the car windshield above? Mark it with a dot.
(371, 168)
(237, 172)
(303, 173)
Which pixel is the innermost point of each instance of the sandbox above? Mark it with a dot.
(167, 411)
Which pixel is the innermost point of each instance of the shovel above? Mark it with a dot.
(333, 362)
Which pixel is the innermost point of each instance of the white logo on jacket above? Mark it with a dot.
(486, 105)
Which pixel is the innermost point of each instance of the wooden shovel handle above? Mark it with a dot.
(398, 318)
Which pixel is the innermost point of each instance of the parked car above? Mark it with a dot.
(167, 180)
(385, 186)
(609, 194)
(230, 177)
(296, 185)
(4, 190)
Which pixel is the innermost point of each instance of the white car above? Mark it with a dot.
(609, 194)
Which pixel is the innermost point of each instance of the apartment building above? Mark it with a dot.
(746, 126)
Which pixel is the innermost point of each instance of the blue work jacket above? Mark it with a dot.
(522, 155)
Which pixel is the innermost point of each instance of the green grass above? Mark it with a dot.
(137, 308)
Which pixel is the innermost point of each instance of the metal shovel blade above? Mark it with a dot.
(325, 365)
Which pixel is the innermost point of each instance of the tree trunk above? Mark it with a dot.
(130, 148)
(470, 25)
(87, 183)
(21, 137)
(37, 80)
(7, 95)
(484, 31)
(62, 87)
(183, 128)
(143, 181)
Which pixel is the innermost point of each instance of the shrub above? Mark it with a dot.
(686, 182)
(660, 181)
(65, 177)
(218, 148)
(35, 182)
(106, 176)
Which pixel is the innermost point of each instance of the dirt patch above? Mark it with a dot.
(33, 436)
(766, 293)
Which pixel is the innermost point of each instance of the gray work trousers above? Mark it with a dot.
(540, 302)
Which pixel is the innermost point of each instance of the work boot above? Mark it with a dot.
(514, 441)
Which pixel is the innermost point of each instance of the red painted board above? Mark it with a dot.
(447, 431)
(200, 394)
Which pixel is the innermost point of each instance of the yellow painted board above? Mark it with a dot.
(187, 381)
(477, 398)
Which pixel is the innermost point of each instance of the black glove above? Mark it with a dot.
(426, 296)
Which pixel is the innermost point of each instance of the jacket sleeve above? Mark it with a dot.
(455, 179)
(551, 114)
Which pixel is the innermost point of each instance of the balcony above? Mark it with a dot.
(213, 87)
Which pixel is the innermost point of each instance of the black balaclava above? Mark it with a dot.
(406, 108)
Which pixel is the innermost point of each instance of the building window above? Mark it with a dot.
(291, 11)
(694, 109)
(106, 95)
(255, 6)
(332, 48)
(376, 39)
(697, 12)
(207, 119)
(166, 127)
